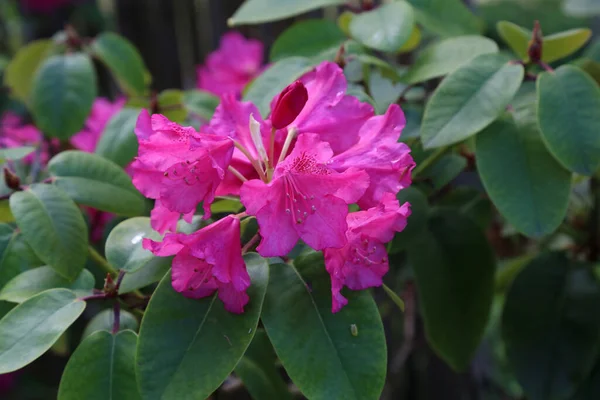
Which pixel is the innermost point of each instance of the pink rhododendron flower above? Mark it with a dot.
(208, 260)
(13, 133)
(102, 111)
(235, 63)
(177, 165)
(305, 199)
(363, 261)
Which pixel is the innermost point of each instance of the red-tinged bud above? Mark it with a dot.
(289, 104)
(339, 57)
(534, 51)
(11, 180)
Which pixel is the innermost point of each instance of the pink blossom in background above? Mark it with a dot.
(102, 111)
(44, 6)
(363, 261)
(228, 69)
(208, 260)
(296, 172)
(7, 382)
(13, 133)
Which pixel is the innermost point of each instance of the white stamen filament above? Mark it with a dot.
(288, 141)
(257, 139)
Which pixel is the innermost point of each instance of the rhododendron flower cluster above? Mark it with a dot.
(232, 66)
(296, 172)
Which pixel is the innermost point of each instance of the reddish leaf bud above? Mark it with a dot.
(11, 180)
(290, 103)
(534, 51)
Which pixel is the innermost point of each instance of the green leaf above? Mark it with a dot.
(21, 69)
(5, 214)
(385, 28)
(581, 8)
(170, 101)
(258, 372)
(203, 337)
(16, 256)
(102, 367)
(470, 99)
(32, 327)
(444, 57)
(259, 11)
(123, 60)
(201, 103)
(94, 181)
(568, 104)
(445, 170)
(153, 271)
(417, 221)
(62, 93)
(317, 348)
(317, 39)
(527, 185)
(516, 38)
(271, 82)
(550, 319)
(15, 153)
(34, 281)
(118, 142)
(124, 244)
(104, 321)
(454, 269)
(53, 226)
(446, 17)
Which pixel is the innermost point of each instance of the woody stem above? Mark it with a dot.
(254, 163)
(237, 173)
(250, 243)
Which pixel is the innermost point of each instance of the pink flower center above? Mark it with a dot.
(298, 205)
(188, 172)
(368, 252)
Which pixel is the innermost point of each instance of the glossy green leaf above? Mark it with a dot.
(470, 99)
(123, 60)
(15, 153)
(516, 37)
(550, 319)
(32, 327)
(271, 82)
(94, 181)
(5, 214)
(152, 272)
(444, 57)
(385, 28)
(118, 142)
(316, 347)
(200, 103)
(16, 256)
(53, 226)
(568, 104)
(104, 321)
(454, 269)
(527, 185)
(21, 69)
(417, 221)
(170, 102)
(317, 39)
(444, 170)
(124, 244)
(206, 341)
(259, 11)
(102, 367)
(446, 17)
(62, 93)
(34, 281)
(258, 372)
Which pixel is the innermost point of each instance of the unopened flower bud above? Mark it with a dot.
(11, 179)
(290, 103)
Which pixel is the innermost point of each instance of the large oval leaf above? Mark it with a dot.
(317, 348)
(446, 17)
(15, 153)
(516, 37)
(259, 11)
(271, 82)
(16, 256)
(550, 318)
(62, 93)
(527, 185)
(124, 244)
(454, 269)
(200, 103)
(118, 142)
(470, 99)
(385, 28)
(32, 327)
(102, 367)
(19, 72)
(94, 181)
(123, 60)
(317, 39)
(37, 280)
(153, 271)
(105, 319)
(444, 57)
(53, 226)
(206, 342)
(568, 104)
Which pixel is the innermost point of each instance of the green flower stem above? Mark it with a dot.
(101, 261)
(428, 162)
